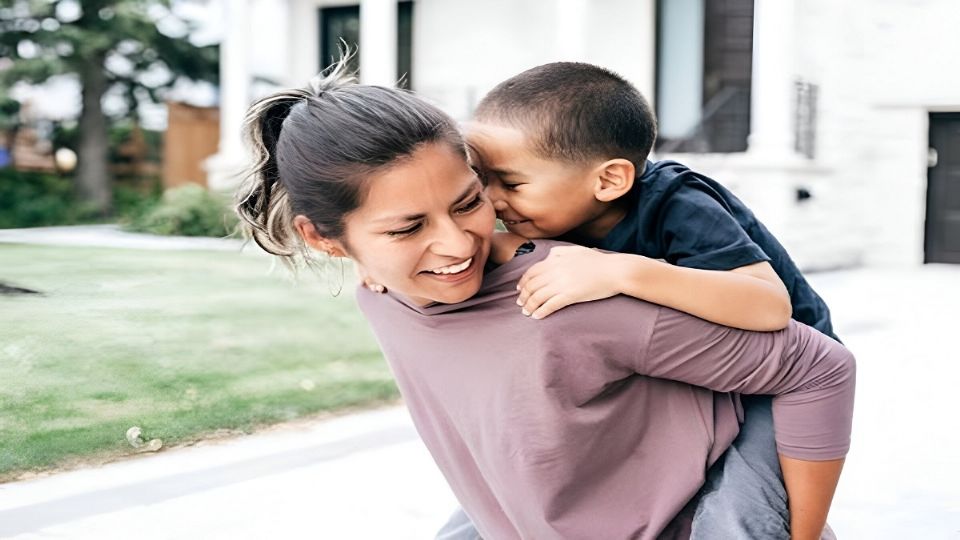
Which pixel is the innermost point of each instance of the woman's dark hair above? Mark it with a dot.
(314, 148)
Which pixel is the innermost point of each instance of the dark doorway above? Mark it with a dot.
(343, 23)
(942, 230)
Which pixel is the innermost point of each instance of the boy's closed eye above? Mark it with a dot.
(493, 177)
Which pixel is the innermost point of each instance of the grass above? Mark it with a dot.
(181, 344)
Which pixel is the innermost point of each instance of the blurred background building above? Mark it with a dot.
(836, 121)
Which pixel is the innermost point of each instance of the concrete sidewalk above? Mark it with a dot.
(113, 236)
(367, 475)
(360, 476)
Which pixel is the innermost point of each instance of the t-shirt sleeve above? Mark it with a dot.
(697, 230)
(811, 376)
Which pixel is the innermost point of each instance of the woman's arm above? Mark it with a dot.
(811, 377)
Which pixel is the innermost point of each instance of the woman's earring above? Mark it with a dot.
(340, 284)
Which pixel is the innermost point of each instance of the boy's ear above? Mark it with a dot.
(314, 239)
(614, 179)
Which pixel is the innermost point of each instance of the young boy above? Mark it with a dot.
(563, 149)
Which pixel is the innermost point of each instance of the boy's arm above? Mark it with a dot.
(751, 297)
(716, 272)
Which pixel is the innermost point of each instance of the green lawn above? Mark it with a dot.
(179, 343)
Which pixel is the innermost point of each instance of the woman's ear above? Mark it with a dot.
(314, 239)
(614, 179)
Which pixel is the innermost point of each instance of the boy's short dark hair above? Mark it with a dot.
(575, 112)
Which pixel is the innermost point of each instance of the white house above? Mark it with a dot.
(836, 121)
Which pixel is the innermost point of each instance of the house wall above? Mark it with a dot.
(463, 48)
(880, 67)
(911, 51)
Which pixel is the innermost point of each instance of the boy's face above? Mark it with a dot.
(533, 196)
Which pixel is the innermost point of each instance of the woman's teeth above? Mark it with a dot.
(454, 269)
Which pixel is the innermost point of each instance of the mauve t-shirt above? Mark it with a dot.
(601, 420)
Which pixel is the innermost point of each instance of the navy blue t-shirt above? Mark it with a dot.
(690, 220)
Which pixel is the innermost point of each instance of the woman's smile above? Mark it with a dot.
(454, 273)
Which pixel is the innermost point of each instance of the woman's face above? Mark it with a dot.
(424, 228)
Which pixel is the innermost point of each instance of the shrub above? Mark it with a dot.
(29, 199)
(32, 199)
(189, 210)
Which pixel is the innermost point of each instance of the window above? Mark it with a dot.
(704, 64)
(343, 22)
(336, 24)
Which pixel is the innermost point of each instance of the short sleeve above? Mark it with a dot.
(698, 230)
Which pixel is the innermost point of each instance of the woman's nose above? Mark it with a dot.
(453, 241)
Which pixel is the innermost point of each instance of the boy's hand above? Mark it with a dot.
(569, 275)
(367, 281)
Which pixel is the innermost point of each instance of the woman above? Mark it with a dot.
(596, 422)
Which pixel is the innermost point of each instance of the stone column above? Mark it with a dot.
(224, 167)
(303, 43)
(774, 72)
(378, 42)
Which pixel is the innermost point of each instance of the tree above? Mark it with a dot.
(122, 46)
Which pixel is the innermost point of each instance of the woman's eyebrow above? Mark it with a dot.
(392, 219)
(414, 217)
(467, 192)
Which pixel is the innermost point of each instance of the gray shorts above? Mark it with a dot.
(743, 497)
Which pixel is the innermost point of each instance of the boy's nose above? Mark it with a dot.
(499, 205)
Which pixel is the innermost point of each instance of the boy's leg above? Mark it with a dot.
(744, 496)
(458, 527)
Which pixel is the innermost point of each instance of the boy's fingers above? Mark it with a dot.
(555, 303)
(531, 287)
(531, 273)
(536, 300)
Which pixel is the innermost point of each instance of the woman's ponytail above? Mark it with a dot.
(262, 201)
